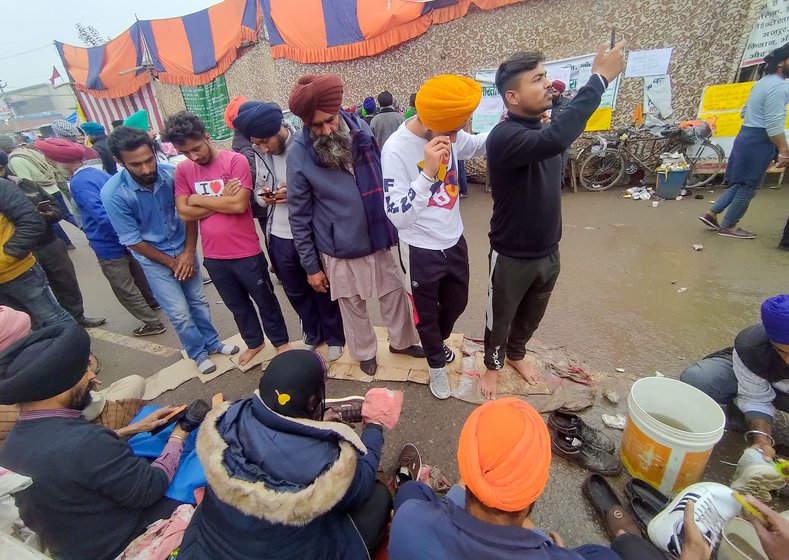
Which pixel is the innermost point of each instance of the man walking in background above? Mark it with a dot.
(387, 120)
(264, 125)
(761, 136)
(524, 169)
(213, 188)
(98, 138)
(114, 259)
(420, 166)
(336, 205)
(140, 202)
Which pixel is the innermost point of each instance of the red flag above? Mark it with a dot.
(55, 76)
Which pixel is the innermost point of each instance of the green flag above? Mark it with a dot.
(209, 102)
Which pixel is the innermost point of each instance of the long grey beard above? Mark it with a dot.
(334, 150)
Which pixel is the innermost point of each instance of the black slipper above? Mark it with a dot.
(652, 498)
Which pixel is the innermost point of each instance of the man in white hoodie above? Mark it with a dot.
(420, 168)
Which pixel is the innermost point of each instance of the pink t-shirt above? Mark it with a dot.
(224, 236)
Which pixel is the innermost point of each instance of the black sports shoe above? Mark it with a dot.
(415, 351)
(194, 415)
(349, 408)
(149, 330)
(449, 355)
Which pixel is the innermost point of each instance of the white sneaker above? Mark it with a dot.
(439, 383)
(714, 507)
(756, 477)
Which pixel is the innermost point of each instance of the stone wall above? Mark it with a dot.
(708, 38)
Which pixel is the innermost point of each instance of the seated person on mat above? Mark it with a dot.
(504, 455)
(282, 483)
(90, 496)
(752, 379)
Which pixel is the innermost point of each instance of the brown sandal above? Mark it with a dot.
(604, 499)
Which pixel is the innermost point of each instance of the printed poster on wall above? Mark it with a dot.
(657, 96)
(209, 103)
(575, 72)
(488, 112)
(770, 31)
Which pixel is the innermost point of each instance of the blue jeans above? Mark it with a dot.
(714, 376)
(186, 306)
(737, 198)
(30, 292)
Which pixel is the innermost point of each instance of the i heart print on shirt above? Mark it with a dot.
(214, 187)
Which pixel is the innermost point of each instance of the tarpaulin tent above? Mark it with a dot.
(194, 49)
(330, 30)
(104, 111)
(110, 70)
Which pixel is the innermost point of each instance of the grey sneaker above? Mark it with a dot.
(439, 383)
(349, 408)
(334, 353)
(756, 477)
(710, 221)
(736, 233)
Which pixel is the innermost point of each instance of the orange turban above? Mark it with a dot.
(444, 103)
(504, 454)
(231, 112)
(316, 92)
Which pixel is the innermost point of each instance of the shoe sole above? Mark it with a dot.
(759, 481)
(152, 333)
(708, 223)
(732, 236)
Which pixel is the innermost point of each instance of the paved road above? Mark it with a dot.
(616, 305)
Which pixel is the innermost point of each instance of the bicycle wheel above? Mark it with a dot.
(705, 161)
(602, 170)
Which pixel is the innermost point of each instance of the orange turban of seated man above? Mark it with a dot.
(504, 453)
(445, 103)
(316, 92)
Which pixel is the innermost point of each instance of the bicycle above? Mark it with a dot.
(607, 159)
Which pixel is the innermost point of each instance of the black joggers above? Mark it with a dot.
(437, 281)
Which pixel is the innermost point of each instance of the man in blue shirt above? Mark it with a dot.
(140, 202)
(761, 136)
(116, 264)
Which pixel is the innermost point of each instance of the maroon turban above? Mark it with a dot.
(316, 92)
(60, 150)
(558, 85)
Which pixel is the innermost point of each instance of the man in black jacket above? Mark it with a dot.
(524, 170)
(23, 284)
(752, 380)
(90, 496)
(52, 252)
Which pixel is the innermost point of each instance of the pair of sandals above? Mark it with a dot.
(645, 503)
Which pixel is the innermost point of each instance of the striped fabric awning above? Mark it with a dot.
(104, 111)
(314, 31)
(194, 49)
(110, 70)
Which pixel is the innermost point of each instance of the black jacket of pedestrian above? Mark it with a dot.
(29, 226)
(107, 161)
(559, 106)
(525, 174)
(37, 195)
